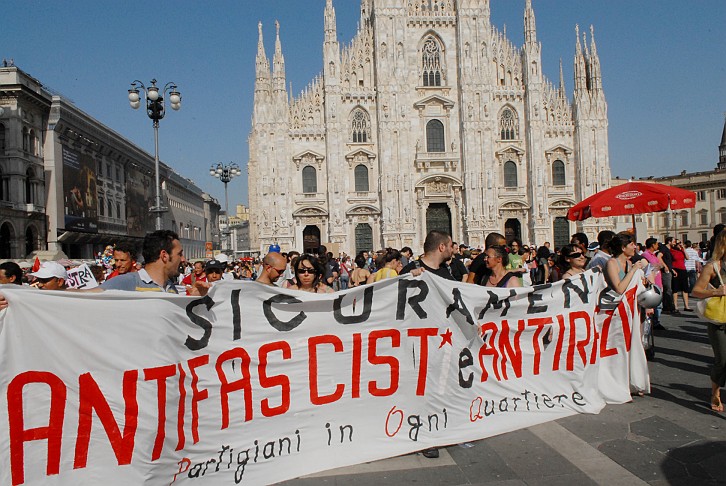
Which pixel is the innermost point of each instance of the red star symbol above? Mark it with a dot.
(446, 338)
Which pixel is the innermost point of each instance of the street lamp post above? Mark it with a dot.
(155, 109)
(225, 173)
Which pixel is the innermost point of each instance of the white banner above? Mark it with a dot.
(81, 278)
(255, 384)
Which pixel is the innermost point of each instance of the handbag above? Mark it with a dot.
(713, 309)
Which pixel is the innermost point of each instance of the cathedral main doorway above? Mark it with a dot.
(561, 231)
(512, 230)
(363, 238)
(311, 239)
(438, 217)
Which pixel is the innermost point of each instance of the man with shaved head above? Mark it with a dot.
(273, 267)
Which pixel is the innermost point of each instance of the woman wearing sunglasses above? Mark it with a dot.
(573, 260)
(308, 276)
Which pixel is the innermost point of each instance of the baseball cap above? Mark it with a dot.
(214, 264)
(274, 248)
(49, 270)
(594, 246)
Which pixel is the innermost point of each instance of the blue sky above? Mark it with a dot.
(663, 65)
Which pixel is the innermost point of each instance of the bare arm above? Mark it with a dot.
(701, 290)
(612, 276)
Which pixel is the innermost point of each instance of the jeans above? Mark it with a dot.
(691, 280)
(344, 281)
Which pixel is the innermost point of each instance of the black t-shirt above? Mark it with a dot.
(479, 268)
(458, 269)
(667, 256)
(443, 271)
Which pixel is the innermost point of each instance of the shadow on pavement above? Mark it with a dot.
(699, 404)
(700, 463)
(690, 368)
(681, 335)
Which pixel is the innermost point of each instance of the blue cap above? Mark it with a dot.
(274, 248)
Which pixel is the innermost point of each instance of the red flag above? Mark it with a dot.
(36, 265)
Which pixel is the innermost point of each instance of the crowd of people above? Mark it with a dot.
(679, 268)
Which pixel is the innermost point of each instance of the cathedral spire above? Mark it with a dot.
(278, 63)
(594, 63)
(562, 82)
(580, 69)
(530, 26)
(330, 23)
(262, 80)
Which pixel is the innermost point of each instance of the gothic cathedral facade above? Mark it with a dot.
(429, 119)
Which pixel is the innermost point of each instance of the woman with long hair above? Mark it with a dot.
(618, 270)
(496, 256)
(573, 260)
(710, 284)
(309, 275)
(391, 265)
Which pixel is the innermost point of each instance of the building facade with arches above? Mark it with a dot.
(70, 185)
(429, 119)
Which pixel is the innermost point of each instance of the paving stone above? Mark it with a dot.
(481, 463)
(529, 457)
(643, 461)
(579, 479)
(663, 435)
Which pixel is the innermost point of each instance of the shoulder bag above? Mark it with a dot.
(713, 309)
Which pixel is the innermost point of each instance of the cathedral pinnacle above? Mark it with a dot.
(530, 26)
(263, 66)
(330, 27)
(278, 62)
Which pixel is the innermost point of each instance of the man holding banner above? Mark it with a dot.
(163, 254)
(438, 249)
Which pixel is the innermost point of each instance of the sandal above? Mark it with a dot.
(716, 404)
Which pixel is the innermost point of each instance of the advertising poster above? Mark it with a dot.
(139, 198)
(80, 197)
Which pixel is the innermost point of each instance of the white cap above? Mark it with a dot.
(51, 269)
(222, 258)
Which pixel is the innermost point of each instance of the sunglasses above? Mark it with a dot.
(575, 255)
(278, 270)
(306, 270)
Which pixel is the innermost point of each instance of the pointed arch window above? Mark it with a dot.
(360, 126)
(101, 207)
(558, 173)
(510, 174)
(309, 180)
(435, 136)
(431, 62)
(110, 208)
(361, 178)
(508, 124)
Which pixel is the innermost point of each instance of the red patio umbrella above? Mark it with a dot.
(632, 198)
